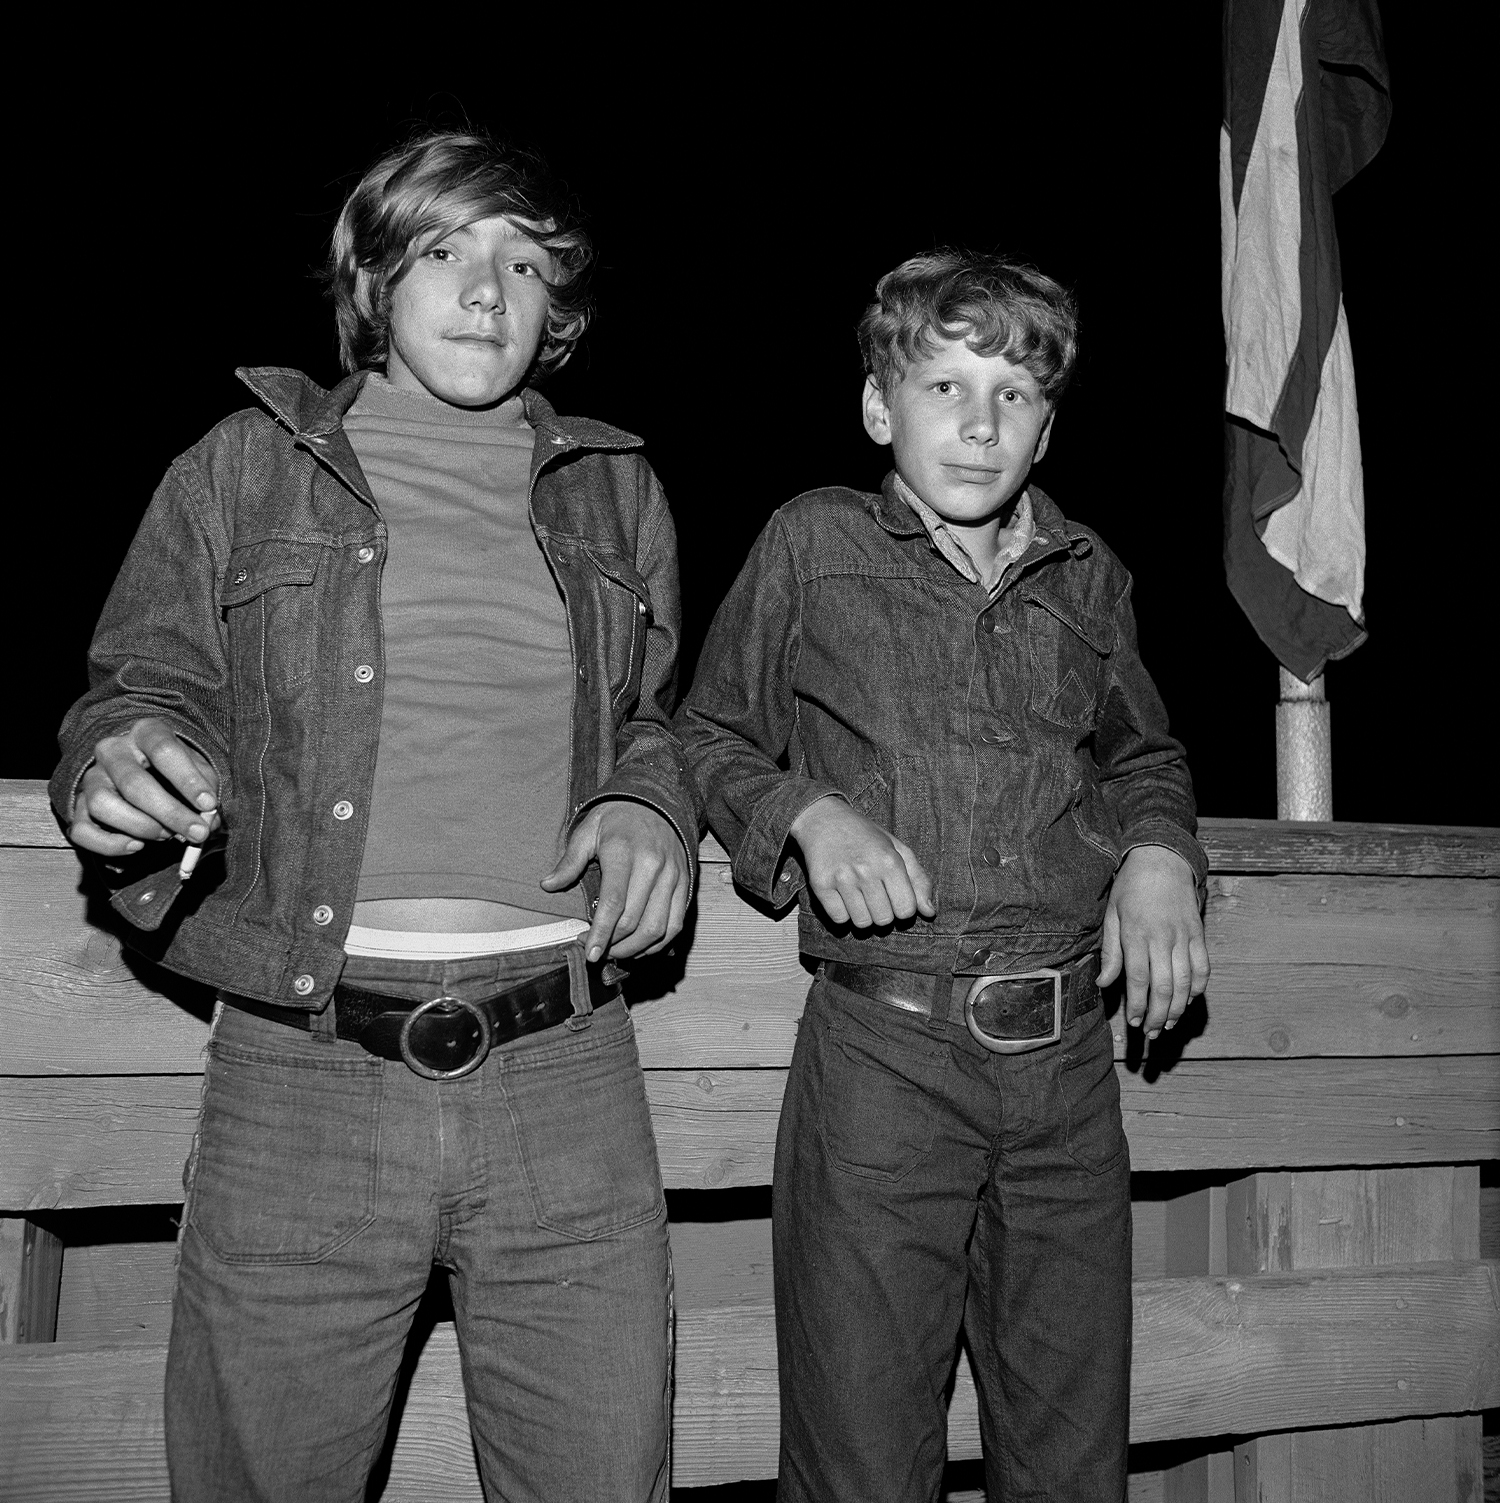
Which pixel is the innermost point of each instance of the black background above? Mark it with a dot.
(746, 187)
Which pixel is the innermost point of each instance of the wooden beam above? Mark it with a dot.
(122, 1140)
(31, 1260)
(1233, 845)
(1213, 1355)
(1303, 966)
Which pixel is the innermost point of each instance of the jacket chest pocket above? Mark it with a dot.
(624, 616)
(269, 602)
(1067, 649)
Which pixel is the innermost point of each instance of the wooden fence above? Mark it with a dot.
(1315, 1236)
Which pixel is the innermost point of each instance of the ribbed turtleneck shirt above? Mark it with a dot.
(471, 778)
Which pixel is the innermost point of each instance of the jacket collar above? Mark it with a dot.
(311, 412)
(1054, 532)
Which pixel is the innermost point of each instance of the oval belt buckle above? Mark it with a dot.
(1015, 1046)
(481, 1052)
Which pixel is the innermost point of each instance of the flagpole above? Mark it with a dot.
(1304, 750)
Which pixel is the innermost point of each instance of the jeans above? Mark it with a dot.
(325, 1183)
(925, 1187)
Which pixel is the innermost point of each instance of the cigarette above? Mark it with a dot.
(189, 860)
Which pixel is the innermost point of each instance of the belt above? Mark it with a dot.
(1006, 1014)
(444, 1037)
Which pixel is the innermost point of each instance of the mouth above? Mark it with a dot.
(471, 337)
(974, 474)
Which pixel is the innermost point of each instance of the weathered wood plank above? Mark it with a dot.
(1213, 1355)
(122, 1140)
(1233, 845)
(26, 816)
(31, 1260)
(1302, 966)
(1273, 845)
(115, 1292)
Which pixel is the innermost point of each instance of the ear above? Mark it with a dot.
(1046, 437)
(876, 414)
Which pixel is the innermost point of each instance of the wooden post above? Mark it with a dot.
(1304, 754)
(30, 1277)
(1336, 1219)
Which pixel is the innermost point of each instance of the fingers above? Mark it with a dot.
(577, 855)
(1198, 959)
(1110, 957)
(130, 789)
(920, 882)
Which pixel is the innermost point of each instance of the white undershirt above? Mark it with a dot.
(411, 944)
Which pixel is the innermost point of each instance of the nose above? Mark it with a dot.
(485, 292)
(978, 422)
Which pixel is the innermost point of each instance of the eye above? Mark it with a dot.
(524, 269)
(943, 388)
(441, 253)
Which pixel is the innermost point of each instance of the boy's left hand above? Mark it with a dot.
(1153, 929)
(643, 878)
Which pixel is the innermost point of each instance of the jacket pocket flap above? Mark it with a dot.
(1097, 631)
(258, 567)
(622, 571)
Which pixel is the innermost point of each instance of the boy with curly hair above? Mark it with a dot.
(923, 713)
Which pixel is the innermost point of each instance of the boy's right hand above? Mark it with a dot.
(121, 804)
(860, 873)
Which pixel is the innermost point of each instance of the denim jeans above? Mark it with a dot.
(325, 1183)
(925, 1187)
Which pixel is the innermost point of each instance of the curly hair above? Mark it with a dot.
(999, 307)
(428, 187)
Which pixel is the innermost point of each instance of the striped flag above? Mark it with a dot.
(1306, 105)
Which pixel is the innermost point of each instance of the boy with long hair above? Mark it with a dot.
(399, 657)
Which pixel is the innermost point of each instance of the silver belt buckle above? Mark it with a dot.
(430, 1072)
(1015, 1046)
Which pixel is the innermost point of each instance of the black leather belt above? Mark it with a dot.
(1006, 1014)
(444, 1037)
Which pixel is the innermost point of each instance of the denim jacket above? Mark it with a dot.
(249, 598)
(1017, 745)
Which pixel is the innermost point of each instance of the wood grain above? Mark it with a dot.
(1212, 1355)
(122, 1140)
(116, 1292)
(31, 1259)
(1233, 845)
(1303, 966)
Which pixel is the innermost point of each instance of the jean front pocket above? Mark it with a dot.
(579, 1111)
(287, 1155)
(1090, 1092)
(878, 1077)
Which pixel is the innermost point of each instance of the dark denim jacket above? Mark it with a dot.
(1018, 746)
(248, 599)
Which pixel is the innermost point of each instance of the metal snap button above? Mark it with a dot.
(242, 576)
(558, 439)
(363, 674)
(990, 855)
(322, 914)
(146, 897)
(365, 554)
(303, 985)
(343, 809)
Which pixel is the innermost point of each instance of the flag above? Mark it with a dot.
(1306, 105)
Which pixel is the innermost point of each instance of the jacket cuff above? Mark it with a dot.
(1175, 839)
(763, 866)
(621, 786)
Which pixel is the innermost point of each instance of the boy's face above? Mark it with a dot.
(965, 429)
(468, 318)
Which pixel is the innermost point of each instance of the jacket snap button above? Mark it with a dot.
(322, 914)
(343, 809)
(363, 674)
(559, 440)
(365, 554)
(146, 897)
(980, 956)
(991, 855)
(303, 985)
(242, 576)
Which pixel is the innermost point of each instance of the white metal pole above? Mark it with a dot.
(1304, 756)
